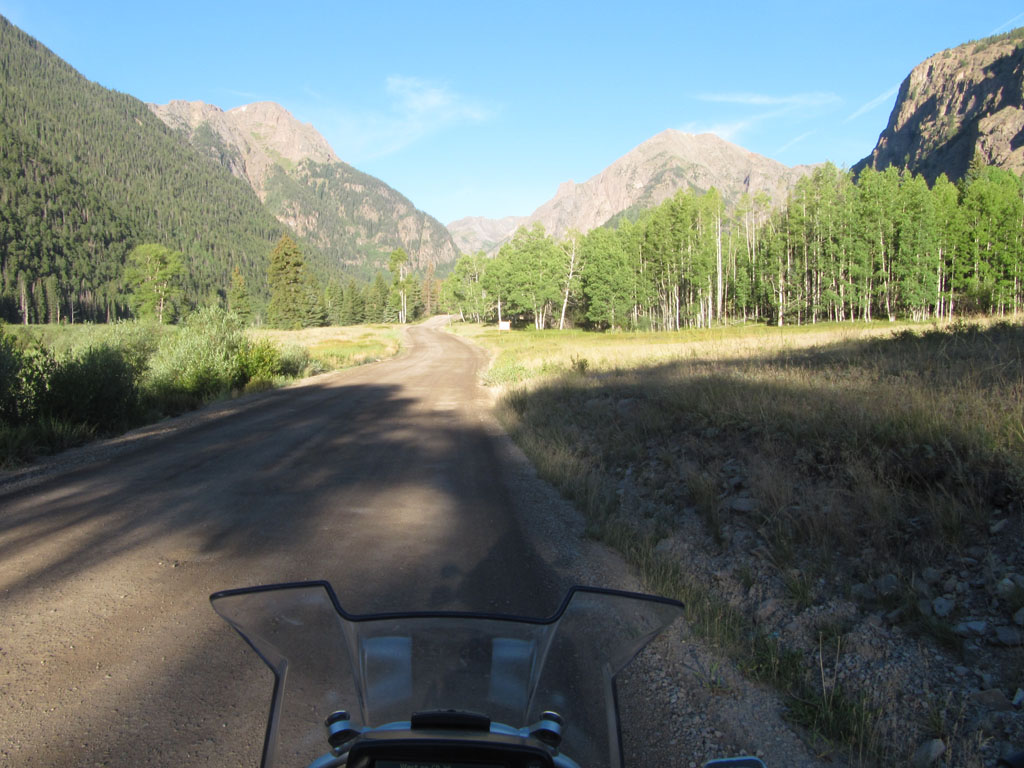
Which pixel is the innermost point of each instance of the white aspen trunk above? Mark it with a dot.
(568, 282)
(22, 290)
(718, 293)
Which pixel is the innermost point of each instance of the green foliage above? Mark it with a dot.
(239, 300)
(12, 396)
(199, 362)
(257, 360)
(840, 250)
(153, 277)
(295, 295)
(293, 360)
(87, 174)
(97, 388)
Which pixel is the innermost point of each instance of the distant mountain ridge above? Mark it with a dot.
(962, 101)
(355, 219)
(642, 178)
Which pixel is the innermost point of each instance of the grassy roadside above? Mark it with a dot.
(62, 386)
(337, 347)
(848, 455)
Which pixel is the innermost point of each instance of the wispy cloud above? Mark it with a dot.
(313, 93)
(413, 108)
(1007, 24)
(880, 99)
(728, 131)
(765, 100)
(793, 142)
(761, 109)
(245, 95)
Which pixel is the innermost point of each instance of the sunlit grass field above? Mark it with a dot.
(334, 347)
(524, 354)
(338, 346)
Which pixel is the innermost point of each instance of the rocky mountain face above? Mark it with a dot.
(642, 178)
(355, 220)
(478, 233)
(249, 140)
(959, 102)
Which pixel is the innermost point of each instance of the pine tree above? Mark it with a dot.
(239, 301)
(289, 300)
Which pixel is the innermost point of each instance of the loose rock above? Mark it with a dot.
(928, 753)
(993, 699)
(1009, 636)
(943, 606)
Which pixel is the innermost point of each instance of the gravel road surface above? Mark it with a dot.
(385, 480)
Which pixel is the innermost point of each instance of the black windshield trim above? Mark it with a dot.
(361, 617)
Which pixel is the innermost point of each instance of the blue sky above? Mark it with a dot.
(484, 108)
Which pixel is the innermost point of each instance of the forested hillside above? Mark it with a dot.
(353, 219)
(887, 245)
(86, 174)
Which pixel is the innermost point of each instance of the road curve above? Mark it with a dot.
(383, 479)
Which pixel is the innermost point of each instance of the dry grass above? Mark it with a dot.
(338, 346)
(849, 438)
(546, 352)
(867, 449)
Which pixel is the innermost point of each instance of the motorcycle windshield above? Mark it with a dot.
(383, 668)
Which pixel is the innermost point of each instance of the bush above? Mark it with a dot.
(96, 388)
(294, 360)
(11, 396)
(257, 360)
(199, 362)
(137, 342)
(24, 380)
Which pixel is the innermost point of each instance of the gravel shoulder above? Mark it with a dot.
(681, 702)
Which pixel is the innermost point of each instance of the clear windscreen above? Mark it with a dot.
(382, 669)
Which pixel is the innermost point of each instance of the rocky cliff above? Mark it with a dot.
(478, 233)
(355, 220)
(643, 178)
(959, 102)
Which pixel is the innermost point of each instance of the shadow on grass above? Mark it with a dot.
(903, 445)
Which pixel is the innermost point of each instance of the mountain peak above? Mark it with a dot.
(642, 178)
(250, 140)
(961, 101)
(352, 218)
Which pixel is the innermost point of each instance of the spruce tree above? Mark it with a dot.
(289, 301)
(239, 301)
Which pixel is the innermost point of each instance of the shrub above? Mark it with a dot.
(11, 361)
(257, 360)
(96, 388)
(199, 362)
(294, 360)
(137, 342)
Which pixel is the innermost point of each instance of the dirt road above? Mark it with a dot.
(383, 479)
